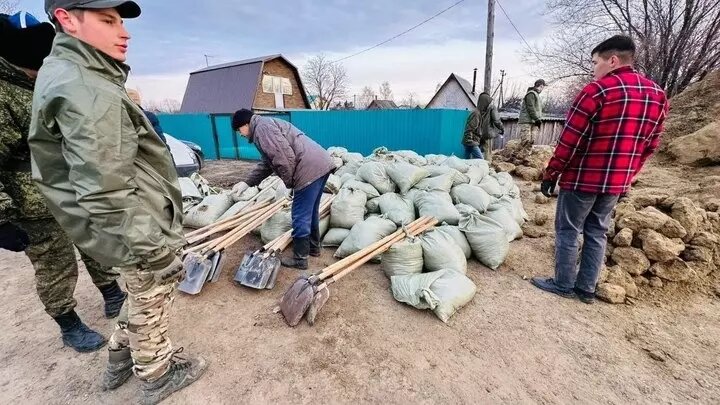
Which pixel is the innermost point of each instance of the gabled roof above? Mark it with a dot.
(225, 88)
(464, 84)
(383, 105)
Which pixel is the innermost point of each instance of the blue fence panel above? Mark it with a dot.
(228, 141)
(191, 127)
(452, 129)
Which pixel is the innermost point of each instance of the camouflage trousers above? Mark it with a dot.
(487, 146)
(143, 323)
(528, 132)
(56, 271)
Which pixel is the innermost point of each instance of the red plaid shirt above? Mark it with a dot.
(612, 128)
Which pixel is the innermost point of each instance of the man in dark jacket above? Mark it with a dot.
(154, 121)
(304, 167)
(482, 126)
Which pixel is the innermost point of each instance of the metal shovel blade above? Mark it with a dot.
(321, 297)
(273, 263)
(218, 265)
(197, 269)
(255, 273)
(245, 265)
(296, 301)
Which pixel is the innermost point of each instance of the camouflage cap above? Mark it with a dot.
(126, 9)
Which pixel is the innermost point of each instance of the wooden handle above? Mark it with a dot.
(245, 211)
(328, 271)
(380, 250)
(224, 227)
(242, 232)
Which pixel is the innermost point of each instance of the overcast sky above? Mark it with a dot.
(170, 39)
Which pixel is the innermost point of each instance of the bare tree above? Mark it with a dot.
(410, 100)
(385, 91)
(9, 6)
(167, 105)
(367, 95)
(326, 80)
(678, 40)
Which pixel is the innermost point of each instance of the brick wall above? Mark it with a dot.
(277, 67)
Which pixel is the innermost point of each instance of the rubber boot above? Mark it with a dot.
(183, 371)
(119, 369)
(301, 248)
(315, 244)
(77, 335)
(114, 298)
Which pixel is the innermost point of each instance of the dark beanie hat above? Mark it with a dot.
(240, 118)
(25, 47)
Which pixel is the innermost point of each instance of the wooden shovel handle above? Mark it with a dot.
(224, 227)
(368, 256)
(245, 211)
(242, 232)
(328, 271)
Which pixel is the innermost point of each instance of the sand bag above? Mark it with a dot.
(350, 167)
(365, 234)
(443, 183)
(456, 234)
(444, 291)
(335, 237)
(458, 178)
(375, 174)
(504, 216)
(366, 188)
(404, 257)
(238, 190)
(473, 196)
(276, 225)
(396, 208)
(465, 209)
(208, 211)
(324, 225)
(456, 163)
(270, 182)
(514, 206)
(505, 181)
(487, 239)
(437, 205)
(234, 209)
(337, 162)
(348, 208)
(281, 192)
(373, 206)
(436, 160)
(346, 177)
(352, 157)
(405, 175)
(412, 157)
(491, 186)
(475, 175)
(249, 194)
(441, 252)
(337, 151)
(411, 195)
(333, 184)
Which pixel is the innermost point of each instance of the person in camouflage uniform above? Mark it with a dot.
(24, 217)
(110, 182)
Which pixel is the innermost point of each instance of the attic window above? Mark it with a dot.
(276, 85)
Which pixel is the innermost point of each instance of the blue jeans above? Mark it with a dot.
(305, 206)
(587, 214)
(473, 152)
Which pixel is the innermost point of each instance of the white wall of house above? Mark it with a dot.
(451, 96)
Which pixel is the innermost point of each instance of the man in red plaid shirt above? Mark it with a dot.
(612, 128)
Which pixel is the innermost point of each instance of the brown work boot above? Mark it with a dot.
(183, 371)
(119, 369)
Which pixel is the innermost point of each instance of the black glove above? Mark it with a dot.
(547, 188)
(538, 123)
(13, 238)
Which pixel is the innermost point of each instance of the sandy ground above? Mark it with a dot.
(511, 344)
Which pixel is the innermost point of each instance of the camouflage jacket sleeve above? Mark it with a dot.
(10, 134)
(100, 145)
(8, 209)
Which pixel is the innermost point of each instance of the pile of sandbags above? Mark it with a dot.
(656, 239)
(479, 212)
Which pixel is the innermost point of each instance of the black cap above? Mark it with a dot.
(126, 9)
(540, 82)
(25, 47)
(240, 118)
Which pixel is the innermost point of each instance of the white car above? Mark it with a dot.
(187, 161)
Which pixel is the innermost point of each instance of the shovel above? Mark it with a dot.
(207, 263)
(309, 295)
(259, 269)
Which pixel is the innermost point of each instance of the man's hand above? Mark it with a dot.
(13, 238)
(547, 188)
(537, 123)
(168, 269)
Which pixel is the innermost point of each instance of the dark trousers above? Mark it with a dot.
(473, 152)
(305, 209)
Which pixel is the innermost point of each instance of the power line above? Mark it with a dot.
(400, 34)
(517, 30)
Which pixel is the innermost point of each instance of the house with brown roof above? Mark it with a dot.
(268, 82)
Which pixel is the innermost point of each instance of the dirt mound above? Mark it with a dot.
(693, 109)
(700, 148)
(523, 159)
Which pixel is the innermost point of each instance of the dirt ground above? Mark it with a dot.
(511, 344)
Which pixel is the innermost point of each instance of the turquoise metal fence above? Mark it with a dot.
(424, 131)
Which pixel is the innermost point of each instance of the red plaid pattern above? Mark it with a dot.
(612, 128)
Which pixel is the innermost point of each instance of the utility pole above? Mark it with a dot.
(489, 46)
(501, 97)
